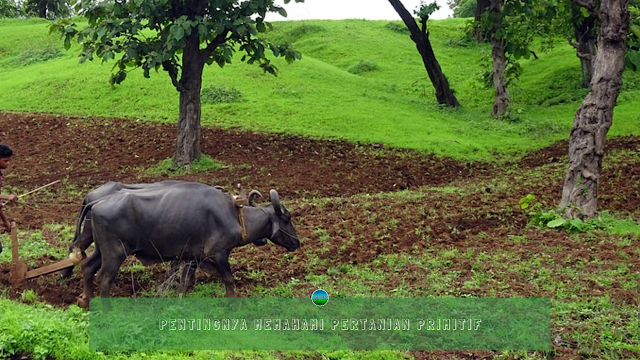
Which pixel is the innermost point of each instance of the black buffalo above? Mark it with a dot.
(193, 222)
(84, 239)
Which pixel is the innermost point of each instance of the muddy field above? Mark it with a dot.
(87, 153)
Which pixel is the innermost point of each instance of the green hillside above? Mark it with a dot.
(358, 80)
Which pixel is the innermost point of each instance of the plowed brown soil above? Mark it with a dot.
(85, 153)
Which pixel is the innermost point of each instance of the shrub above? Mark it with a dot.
(34, 55)
(218, 95)
(397, 27)
(362, 67)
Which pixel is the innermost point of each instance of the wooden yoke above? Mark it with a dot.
(239, 202)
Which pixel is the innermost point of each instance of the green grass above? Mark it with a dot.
(358, 80)
(166, 167)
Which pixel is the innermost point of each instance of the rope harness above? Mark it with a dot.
(239, 203)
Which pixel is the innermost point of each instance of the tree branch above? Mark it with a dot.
(590, 5)
(173, 74)
(211, 47)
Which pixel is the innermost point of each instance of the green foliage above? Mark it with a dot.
(53, 9)
(218, 95)
(513, 70)
(161, 35)
(632, 56)
(555, 220)
(9, 9)
(463, 8)
(425, 10)
(362, 67)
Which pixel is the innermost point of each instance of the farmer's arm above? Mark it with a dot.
(12, 197)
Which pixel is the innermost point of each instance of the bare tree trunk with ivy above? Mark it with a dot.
(189, 86)
(585, 45)
(594, 117)
(481, 7)
(500, 85)
(444, 93)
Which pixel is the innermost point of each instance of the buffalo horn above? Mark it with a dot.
(253, 194)
(273, 195)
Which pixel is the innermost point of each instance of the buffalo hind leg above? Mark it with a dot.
(86, 239)
(89, 267)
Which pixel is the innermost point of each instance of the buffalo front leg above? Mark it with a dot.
(224, 269)
(111, 263)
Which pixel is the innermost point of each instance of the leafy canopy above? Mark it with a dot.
(152, 34)
(9, 9)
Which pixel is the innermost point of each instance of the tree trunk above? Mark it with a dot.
(586, 48)
(481, 7)
(42, 9)
(501, 89)
(444, 93)
(594, 117)
(189, 127)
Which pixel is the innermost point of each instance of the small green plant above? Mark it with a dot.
(8, 346)
(220, 95)
(362, 67)
(554, 219)
(29, 296)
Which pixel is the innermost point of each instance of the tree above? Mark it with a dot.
(462, 8)
(500, 86)
(47, 9)
(8, 9)
(511, 26)
(481, 7)
(179, 37)
(420, 36)
(595, 116)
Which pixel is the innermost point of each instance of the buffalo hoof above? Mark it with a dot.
(83, 301)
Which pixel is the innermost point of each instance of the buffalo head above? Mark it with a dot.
(284, 234)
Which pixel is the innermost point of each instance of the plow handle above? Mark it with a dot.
(14, 242)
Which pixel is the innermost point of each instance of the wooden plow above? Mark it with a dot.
(19, 271)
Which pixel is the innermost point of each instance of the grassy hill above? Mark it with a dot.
(358, 80)
(460, 234)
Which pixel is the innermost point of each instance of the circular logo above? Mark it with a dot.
(320, 297)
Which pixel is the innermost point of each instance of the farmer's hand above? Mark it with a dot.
(13, 198)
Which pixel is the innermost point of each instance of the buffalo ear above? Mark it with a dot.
(273, 195)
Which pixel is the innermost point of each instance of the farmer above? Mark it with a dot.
(5, 159)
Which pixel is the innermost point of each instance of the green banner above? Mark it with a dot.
(340, 324)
